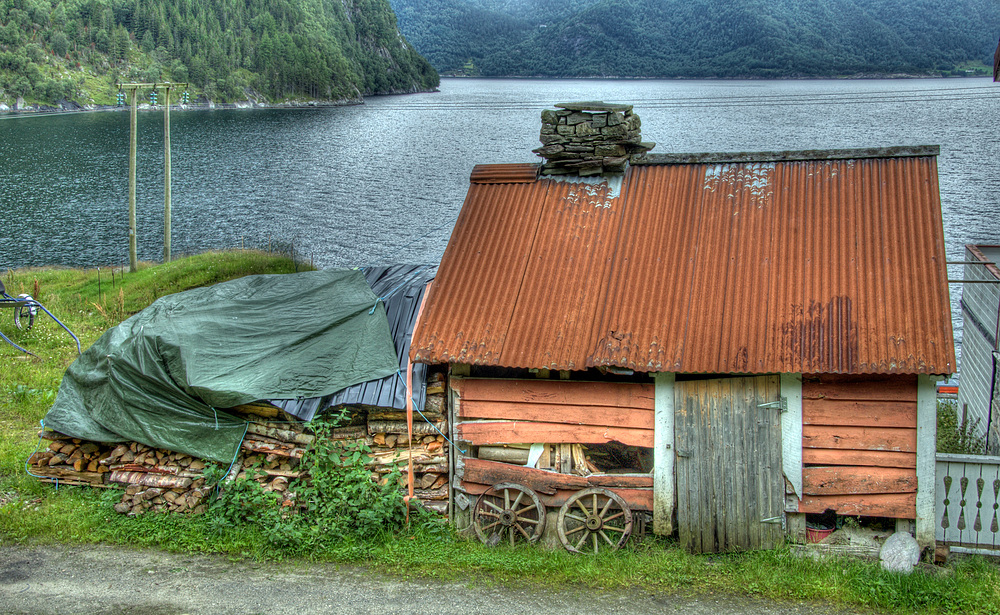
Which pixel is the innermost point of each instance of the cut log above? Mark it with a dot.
(399, 427)
(284, 435)
(61, 473)
(263, 409)
(150, 480)
(350, 432)
(504, 454)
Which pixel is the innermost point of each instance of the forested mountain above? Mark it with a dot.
(702, 38)
(227, 49)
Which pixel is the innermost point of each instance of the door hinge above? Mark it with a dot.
(781, 404)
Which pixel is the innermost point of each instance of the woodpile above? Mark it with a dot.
(429, 449)
(271, 453)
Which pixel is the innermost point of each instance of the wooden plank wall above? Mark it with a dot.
(859, 443)
(497, 412)
(554, 412)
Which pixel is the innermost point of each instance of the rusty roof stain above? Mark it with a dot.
(789, 264)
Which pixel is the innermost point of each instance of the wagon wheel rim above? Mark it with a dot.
(508, 513)
(24, 316)
(594, 519)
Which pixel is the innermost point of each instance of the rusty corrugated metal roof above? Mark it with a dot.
(504, 173)
(798, 264)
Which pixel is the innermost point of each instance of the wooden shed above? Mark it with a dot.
(725, 342)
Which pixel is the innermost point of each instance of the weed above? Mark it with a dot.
(954, 436)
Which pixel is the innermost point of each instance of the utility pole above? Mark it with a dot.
(134, 89)
(166, 173)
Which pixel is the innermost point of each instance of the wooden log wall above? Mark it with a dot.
(859, 443)
(502, 418)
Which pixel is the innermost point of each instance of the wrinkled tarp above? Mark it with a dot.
(160, 377)
(402, 289)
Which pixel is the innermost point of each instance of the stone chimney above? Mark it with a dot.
(589, 138)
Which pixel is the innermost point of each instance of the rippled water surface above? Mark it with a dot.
(383, 182)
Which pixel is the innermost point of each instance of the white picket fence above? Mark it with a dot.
(967, 489)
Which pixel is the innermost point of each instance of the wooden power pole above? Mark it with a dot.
(134, 88)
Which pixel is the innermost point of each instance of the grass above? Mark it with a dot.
(31, 512)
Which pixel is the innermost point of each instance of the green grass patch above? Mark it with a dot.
(240, 526)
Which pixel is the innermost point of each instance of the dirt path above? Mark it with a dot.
(113, 581)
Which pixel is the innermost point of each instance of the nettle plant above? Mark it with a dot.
(335, 500)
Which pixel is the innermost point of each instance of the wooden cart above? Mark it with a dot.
(577, 453)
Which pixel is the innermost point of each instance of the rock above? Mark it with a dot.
(549, 116)
(900, 553)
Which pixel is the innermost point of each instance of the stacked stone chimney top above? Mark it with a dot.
(589, 138)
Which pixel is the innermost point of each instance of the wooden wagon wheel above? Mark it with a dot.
(594, 519)
(508, 512)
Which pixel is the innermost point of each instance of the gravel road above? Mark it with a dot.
(101, 580)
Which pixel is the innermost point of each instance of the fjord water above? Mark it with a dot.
(383, 182)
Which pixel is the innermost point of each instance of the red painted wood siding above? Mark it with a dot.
(554, 412)
(859, 438)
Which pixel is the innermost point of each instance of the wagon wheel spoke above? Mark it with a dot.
(583, 508)
(521, 529)
(493, 506)
(494, 524)
(605, 537)
(582, 540)
(576, 529)
(594, 534)
(611, 528)
(613, 517)
(517, 500)
(527, 520)
(575, 518)
(607, 505)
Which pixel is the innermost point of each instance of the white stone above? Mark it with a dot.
(900, 553)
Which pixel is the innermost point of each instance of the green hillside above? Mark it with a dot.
(702, 38)
(77, 50)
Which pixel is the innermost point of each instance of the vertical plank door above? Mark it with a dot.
(730, 490)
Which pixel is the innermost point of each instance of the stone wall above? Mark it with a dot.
(589, 138)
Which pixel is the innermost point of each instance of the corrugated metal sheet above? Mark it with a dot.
(504, 173)
(814, 266)
(401, 306)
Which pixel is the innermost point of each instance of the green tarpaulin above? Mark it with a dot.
(162, 377)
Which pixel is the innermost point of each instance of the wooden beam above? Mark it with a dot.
(895, 505)
(637, 499)
(493, 472)
(558, 413)
(897, 388)
(860, 413)
(847, 457)
(850, 480)
(614, 394)
(860, 438)
(479, 433)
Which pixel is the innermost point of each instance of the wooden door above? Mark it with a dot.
(730, 488)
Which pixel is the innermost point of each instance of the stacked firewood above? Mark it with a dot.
(390, 446)
(70, 461)
(271, 454)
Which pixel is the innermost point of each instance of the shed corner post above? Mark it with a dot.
(926, 457)
(663, 454)
(791, 454)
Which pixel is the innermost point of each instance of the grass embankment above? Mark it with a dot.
(32, 512)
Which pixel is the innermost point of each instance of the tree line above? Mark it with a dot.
(227, 49)
(702, 38)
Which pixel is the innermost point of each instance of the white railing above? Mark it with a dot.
(967, 491)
